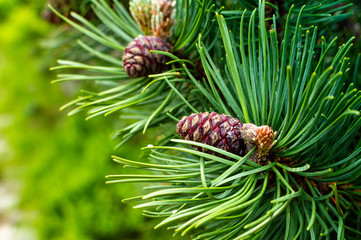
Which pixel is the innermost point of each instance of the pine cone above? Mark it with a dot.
(265, 137)
(262, 137)
(162, 18)
(138, 61)
(141, 12)
(217, 130)
(154, 17)
(249, 135)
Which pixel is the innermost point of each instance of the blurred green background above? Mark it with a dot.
(52, 167)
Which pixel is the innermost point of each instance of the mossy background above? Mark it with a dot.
(52, 167)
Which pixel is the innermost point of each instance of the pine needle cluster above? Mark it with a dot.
(267, 63)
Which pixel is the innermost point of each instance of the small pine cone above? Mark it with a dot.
(217, 130)
(138, 61)
(163, 13)
(141, 12)
(166, 7)
(265, 137)
(154, 17)
(262, 137)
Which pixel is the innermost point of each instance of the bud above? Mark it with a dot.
(265, 137)
(262, 137)
(154, 17)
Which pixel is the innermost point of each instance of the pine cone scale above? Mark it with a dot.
(214, 137)
(198, 134)
(207, 128)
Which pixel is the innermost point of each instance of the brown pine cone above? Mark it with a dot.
(138, 61)
(217, 130)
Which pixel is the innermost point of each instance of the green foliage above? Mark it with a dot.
(301, 95)
(264, 66)
(323, 14)
(141, 96)
(139, 99)
(60, 168)
(287, 89)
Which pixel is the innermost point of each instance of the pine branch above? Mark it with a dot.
(144, 94)
(264, 67)
(302, 95)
